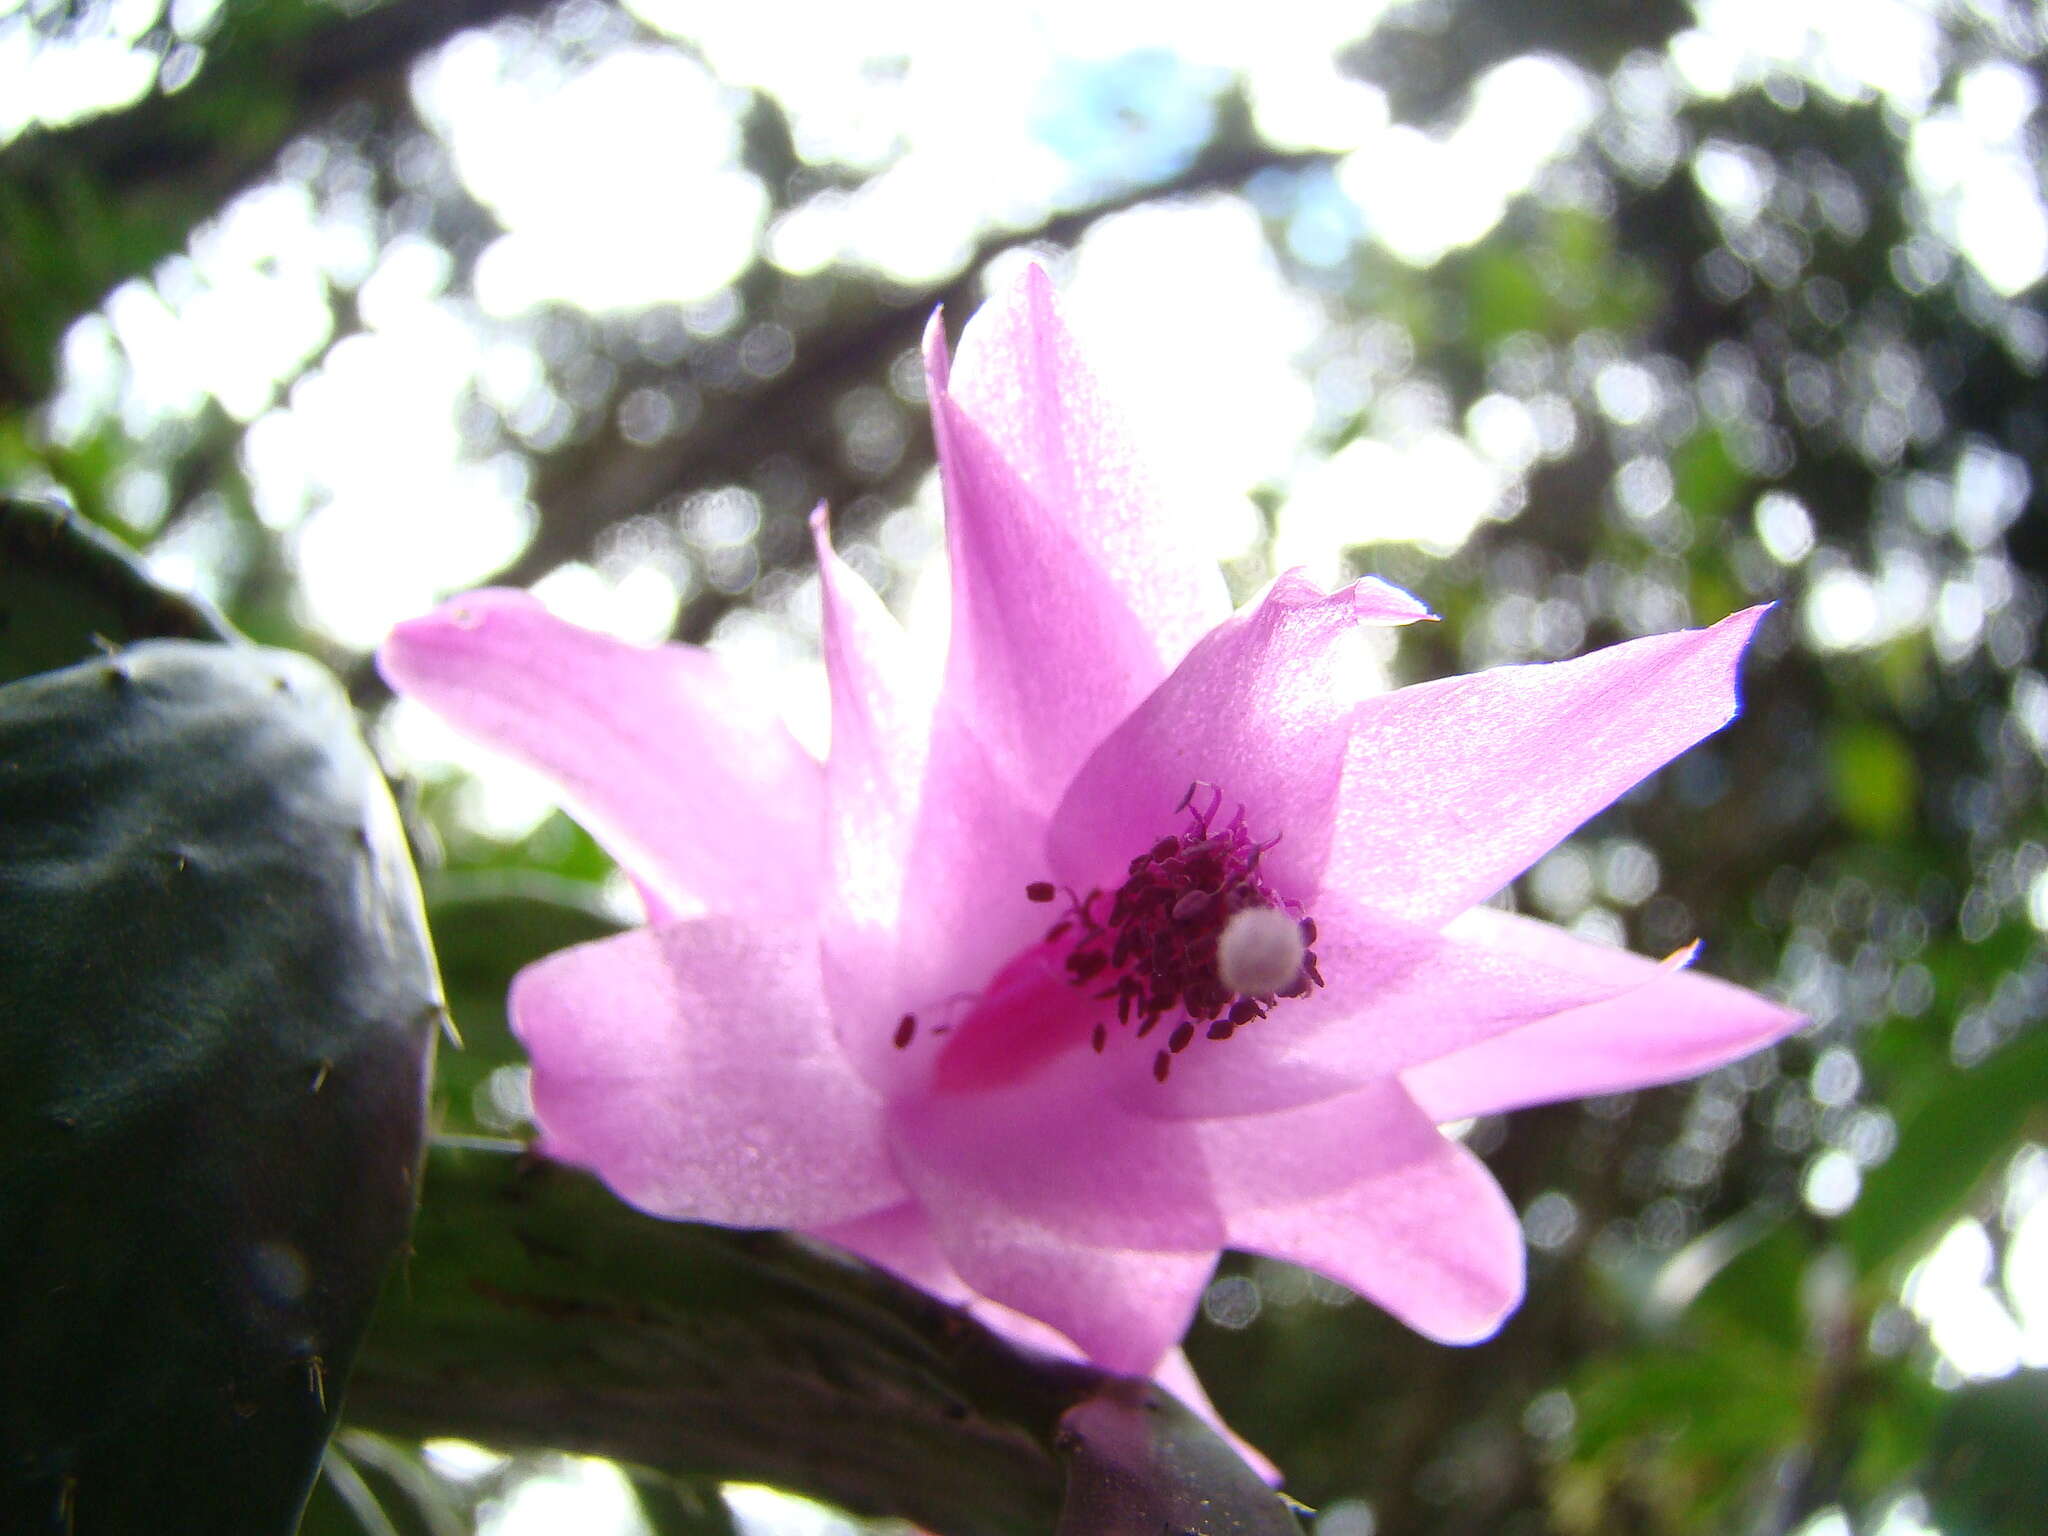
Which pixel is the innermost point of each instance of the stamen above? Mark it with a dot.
(906, 1028)
(1193, 934)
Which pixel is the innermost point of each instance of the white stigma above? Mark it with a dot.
(1260, 952)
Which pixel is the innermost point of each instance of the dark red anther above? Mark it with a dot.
(1161, 1065)
(906, 1027)
(1153, 948)
(1308, 930)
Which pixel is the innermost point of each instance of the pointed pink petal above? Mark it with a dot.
(687, 776)
(1396, 994)
(881, 730)
(1453, 788)
(1381, 603)
(1671, 1024)
(1124, 1307)
(1367, 1191)
(978, 846)
(928, 854)
(1260, 709)
(1073, 592)
(1043, 658)
(881, 737)
(1022, 380)
(1050, 1149)
(1047, 1200)
(900, 1240)
(1178, 1377)
(696, 1069)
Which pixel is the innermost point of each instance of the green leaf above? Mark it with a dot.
(1506, 298)
(1745, 1274)
(1873, 777)
(217, 1012)
(1987, 1474)
(1706, 480)
(1946, 1149)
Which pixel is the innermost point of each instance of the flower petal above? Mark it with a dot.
(1260, 709)
(1046, 1199)
(695, 1068)
(686, 775)
(1021, 379)
(908, 813)
(1366, 1190)
(1124, 1307)
(875, 799)
(900, 1240)
(881, 733)
(1453, 788)
(1670, 1024)
(1177, 1375)
(1396, 994)
(1072, 592)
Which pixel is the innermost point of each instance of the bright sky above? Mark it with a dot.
(618, 185)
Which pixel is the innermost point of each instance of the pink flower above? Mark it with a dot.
(1138, 934)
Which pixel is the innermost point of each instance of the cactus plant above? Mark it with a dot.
(217, 1011)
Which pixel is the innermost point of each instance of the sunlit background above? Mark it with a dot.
(1583, 322)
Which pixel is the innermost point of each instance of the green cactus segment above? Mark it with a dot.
(217, 1014)
(1140, 1464)
(540, 1312)
(69, 591)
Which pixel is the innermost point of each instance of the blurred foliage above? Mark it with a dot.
(1732, 346)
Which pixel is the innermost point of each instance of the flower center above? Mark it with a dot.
(1194, 937)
